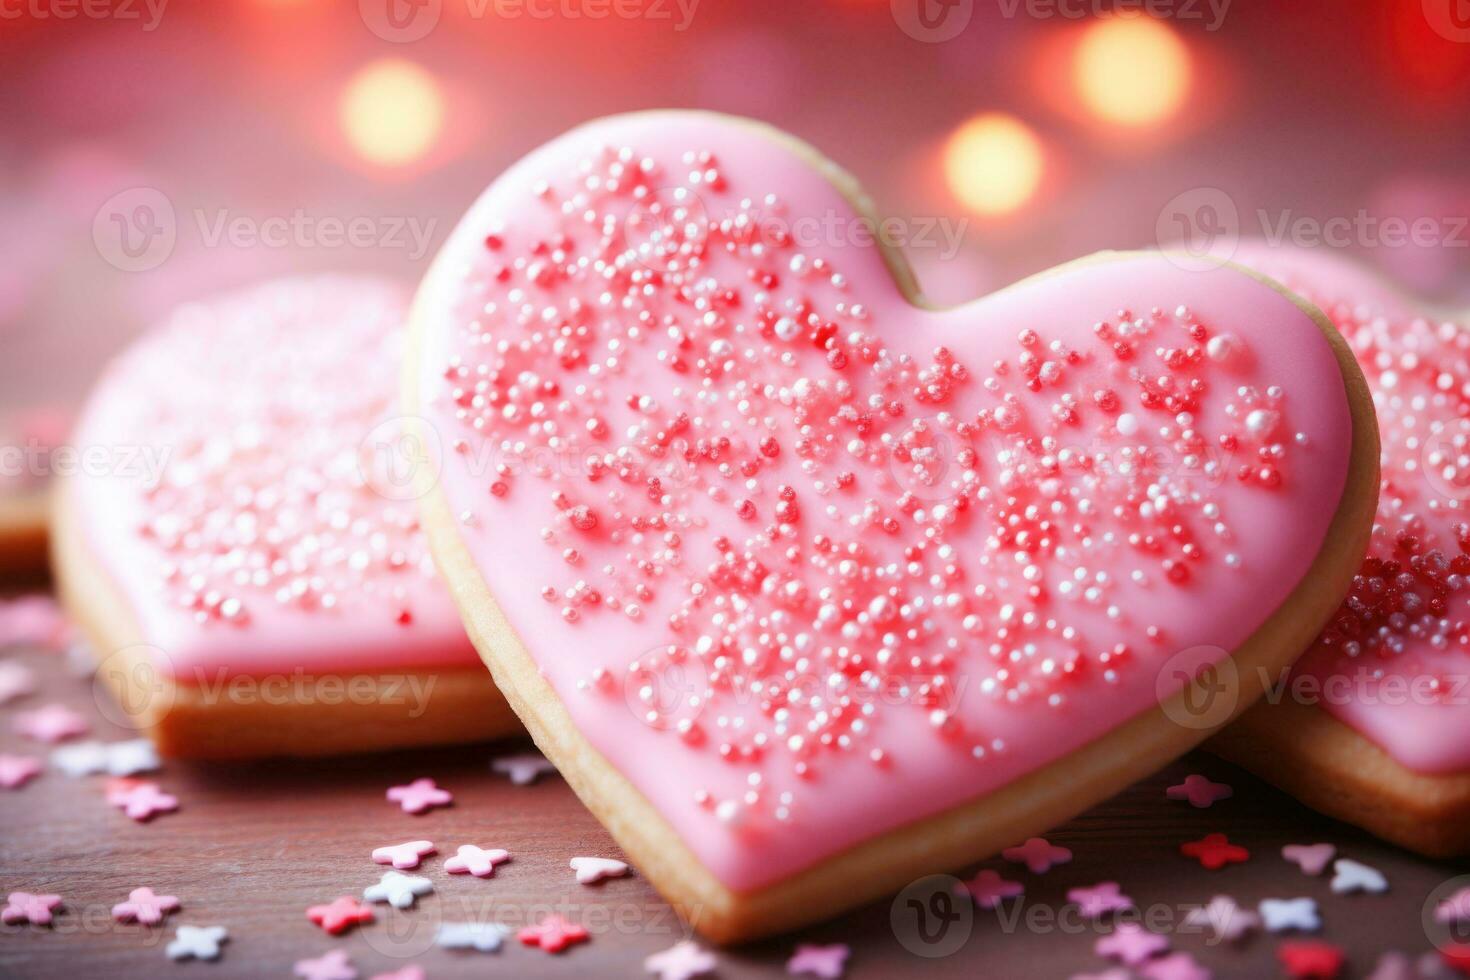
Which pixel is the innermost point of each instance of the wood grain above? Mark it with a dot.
(254, 845)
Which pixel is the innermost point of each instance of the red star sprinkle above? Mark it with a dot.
(340, 916)
(1310, 960)
(1214, 851)
(553, 934)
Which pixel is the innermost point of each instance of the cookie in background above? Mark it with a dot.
(248, 563)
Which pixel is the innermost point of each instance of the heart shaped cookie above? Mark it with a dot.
(1373, 724)
(250, 576)
(808, 589)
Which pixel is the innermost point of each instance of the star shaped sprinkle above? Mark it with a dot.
(17, 770)
(1456, 908)
(1311, 858)
(398, 889)
(404, 856)
(51, 724)
(592, 870)
(1130, 944)
(477, 861)
(339, 916)
(1199, 791)
(29, 907)
(523, 769)
(132, 757)
(333, 965)
(1394, 965)
(989, 889)
(411, 972)
(420, 796)
(1116, 973)
(118, 759)
(16, 681)
(1175, 966)
(483, 936)
(31, 621)
(812, 960)
(1214, 851)
(681, 961)
(1349, 876)
(1038, 855)
(197, 943)
(140, 800)
(553, 934)
(1099, 900)
(1226, 920)
(1310, 960)
(146, 907)
(1280, 914)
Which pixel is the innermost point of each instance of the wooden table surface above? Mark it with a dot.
(253, 846)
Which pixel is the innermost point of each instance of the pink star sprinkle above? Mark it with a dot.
(812, 960)
(1175, 966)
(140, 800)
(340, 915)
(334, 965)
(16, 681)
(1199, 791)
(523, 769)
(1038, 855)
(553, 934)
(1131, 944)
(27, 907)
(1456, 908)
(477, 861)
(31, 621)
(145, 907)
(404, 856)
(1099, 900)
(17, 770)
(53, 723)
(989, 889)
(1311, 858)
(681, 962)
(420, 796)
(410, 972)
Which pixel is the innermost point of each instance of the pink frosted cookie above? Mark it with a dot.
(28, 444)
(1373, 724)
(817, 590)
(250, 572)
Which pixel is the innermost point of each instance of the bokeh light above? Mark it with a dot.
(1131, 71)
(392, 112)
(993, 163)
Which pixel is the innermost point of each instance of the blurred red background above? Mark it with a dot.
(252, 114)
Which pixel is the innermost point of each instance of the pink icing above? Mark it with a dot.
(1395, 665)
(235, 500)
(805, 562)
